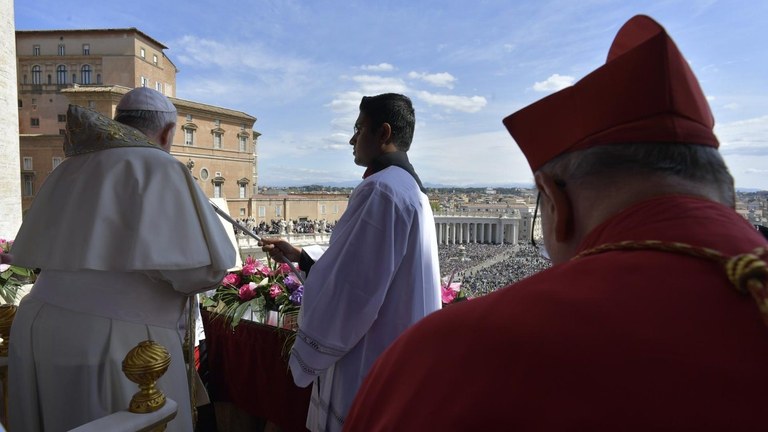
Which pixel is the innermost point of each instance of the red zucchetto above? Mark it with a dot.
(645, 92)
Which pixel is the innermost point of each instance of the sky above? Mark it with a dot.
(301, 68)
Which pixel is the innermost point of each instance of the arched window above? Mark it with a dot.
(61, 74)
(36, 75)
(189, 129)
(85, 74)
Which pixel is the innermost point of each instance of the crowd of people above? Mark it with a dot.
(484, 268)
(281, 226)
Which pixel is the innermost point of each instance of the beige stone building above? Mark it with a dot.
(265, 208)
(94, 68)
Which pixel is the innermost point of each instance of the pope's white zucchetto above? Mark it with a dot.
(145, 99)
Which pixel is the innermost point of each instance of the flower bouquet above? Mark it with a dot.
(261, 290)
(12, 277)
(451, 291)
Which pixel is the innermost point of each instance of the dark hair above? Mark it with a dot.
(395, 109)
(696, 164)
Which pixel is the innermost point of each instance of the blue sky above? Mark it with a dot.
(301, 68)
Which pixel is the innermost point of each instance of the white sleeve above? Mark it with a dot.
(191, 281)
(314, 251)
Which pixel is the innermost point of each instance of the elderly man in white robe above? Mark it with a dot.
(380, 273)
(122, 235)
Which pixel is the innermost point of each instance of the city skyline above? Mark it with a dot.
(301, 70)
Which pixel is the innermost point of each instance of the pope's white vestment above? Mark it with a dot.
(379, 275)
(122, 236)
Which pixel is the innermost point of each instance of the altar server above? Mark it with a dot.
(380, 273)
(647, 319)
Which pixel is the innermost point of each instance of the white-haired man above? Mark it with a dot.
(122, 235)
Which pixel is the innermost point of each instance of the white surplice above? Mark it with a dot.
(123, 236)
(379, 275)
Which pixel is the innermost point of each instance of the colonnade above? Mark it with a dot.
(477, 229)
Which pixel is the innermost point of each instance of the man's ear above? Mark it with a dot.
(557, 204)
(385, 133)
(166, 136)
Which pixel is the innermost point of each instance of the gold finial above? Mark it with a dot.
(144, 365)
(7, 313)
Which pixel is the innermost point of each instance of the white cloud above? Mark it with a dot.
(744, 137)
(464, 160)
(374, 84)
(710, 98)
(381, 67)
(554, 83)
(732, 106)
(442, 79)
(459, 103)
(346, 102)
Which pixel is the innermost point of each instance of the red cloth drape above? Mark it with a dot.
(248, 370)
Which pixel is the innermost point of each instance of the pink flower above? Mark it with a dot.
(231, 279)
(275, 291)
(247, 291)
(450, 291)
(249, 267)
(282, 268)
(262, 268)
(448, 294)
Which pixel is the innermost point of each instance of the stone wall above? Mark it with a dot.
(10, 181)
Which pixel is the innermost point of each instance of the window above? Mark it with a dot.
(142, 53)
(189, 117)
(189, 137)
(154, 59)
(278, 211)
(217, 190)
(62, 51)
(35, 50)
(85, 74)
(243, 142)
(61, 74)
(27, 163)
(262, 211)
(62, 118)
(29, 185)
(217, 141)
(144, 82)
(36, 75)
(217, 123)
(335, 209)
(322, 209)
(34, 122)
(242, 190)
(242, 211)
(55, 161)
(159, 86)
(204, 174)
(74, 78)
(86, 49)
(92, 104)
(62, 131)
(98, 78)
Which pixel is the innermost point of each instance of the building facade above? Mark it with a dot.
(10, 199)
(94, 69)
